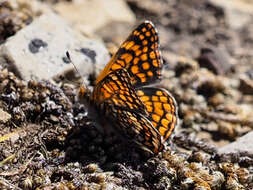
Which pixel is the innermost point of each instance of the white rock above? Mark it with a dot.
(243, 144)
(38, 50)
(90, 16)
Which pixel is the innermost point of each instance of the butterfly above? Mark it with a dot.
(145, 115)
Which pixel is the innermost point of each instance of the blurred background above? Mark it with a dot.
(185, 27)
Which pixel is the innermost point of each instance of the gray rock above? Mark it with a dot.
(39, 50)
(215, 60)
(243, 144)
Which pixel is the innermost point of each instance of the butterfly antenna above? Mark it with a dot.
(83, 86)
(70, 60)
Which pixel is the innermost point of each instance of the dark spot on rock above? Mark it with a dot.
(36, 44)
(29, 20)
(90, 53)
(65, 60)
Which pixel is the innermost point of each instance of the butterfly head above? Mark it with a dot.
(84, 92)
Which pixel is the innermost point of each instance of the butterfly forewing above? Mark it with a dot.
(116, 89)
(139, 55)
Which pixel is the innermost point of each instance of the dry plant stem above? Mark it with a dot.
(189, 143)
(224, 117)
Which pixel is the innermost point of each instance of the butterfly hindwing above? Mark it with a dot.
(139, 129)
(128, 113)
(161, 107)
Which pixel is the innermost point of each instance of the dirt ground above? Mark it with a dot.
(48, 140)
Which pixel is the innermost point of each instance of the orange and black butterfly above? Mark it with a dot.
(146, 115)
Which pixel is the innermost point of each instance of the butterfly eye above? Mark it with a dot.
(82, 91)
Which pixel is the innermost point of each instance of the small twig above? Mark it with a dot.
(8, 136)
(7, 159)
(43, 147)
